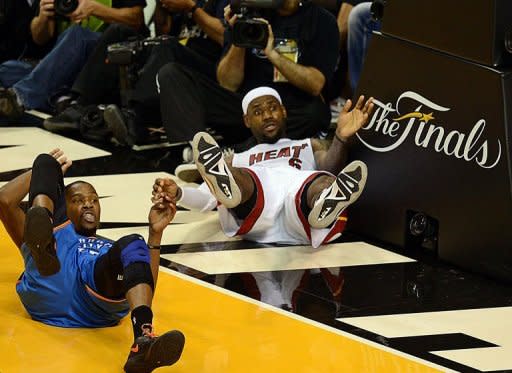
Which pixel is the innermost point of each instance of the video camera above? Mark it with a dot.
(130, 56)
(249, 32)
(65, 7)
(130, 52)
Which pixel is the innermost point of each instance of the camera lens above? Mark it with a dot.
(65, 7)
(250, 33)
(253, 32)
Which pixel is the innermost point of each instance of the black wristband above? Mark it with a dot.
(343, 141)
(156, 247)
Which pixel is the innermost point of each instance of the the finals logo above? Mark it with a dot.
(420, 124)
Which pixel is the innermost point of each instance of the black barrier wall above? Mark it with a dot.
(478, 30)
(438, 143)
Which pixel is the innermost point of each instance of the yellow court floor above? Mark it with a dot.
(225, 333)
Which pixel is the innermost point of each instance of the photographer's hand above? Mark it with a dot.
(306, 78)
(269, 49)
(46, 9)
(85, 9)
(229, 16)
(42, 27)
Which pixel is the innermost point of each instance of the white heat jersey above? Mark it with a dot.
(285, 152)
(281, 172)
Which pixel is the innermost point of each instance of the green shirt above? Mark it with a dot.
(92, 23)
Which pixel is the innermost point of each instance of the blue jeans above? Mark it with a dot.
(360, 27)
(13, 71)
(57, 71)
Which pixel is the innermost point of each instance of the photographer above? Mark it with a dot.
(361, 26)
(297, 60)
(58, 69)
(197, 34)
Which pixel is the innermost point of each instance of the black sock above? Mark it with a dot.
(140, 315)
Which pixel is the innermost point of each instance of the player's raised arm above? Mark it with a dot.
(349, 122)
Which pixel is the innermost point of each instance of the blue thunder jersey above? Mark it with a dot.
(69, 298)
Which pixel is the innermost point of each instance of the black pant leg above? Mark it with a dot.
(191, 102)
(146, 91)
(98, 82)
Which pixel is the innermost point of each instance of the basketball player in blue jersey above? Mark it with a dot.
(280, 190)
(74, 278)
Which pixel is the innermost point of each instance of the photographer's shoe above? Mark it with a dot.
(125, 129)
(150, 351)
(38, 236)
(117, 122)
(66, 121)
(9, 105)
(344, 190)
(214, 170)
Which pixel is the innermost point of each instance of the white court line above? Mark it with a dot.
(492, 325)
(30, 141)
(286, 258)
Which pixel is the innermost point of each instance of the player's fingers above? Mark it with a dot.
(347, 106)
(367, 104)
(360, 102)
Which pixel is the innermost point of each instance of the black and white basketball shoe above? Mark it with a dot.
(214, 170)
(344, 190)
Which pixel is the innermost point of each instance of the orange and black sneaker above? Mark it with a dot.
(151, 351)
(38, 237)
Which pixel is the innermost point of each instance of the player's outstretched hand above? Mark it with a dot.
(163, 209)
(350, 121)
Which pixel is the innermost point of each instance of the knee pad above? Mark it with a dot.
(46, 179)
(134, 254)
(137, 273)
(132, 249)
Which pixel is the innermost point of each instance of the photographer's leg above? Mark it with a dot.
(98, 82)
(58, 69)
(190, 102)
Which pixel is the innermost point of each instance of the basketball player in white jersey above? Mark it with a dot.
(281, 190)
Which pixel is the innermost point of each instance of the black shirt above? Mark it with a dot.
(184, 26)
(316, 33)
